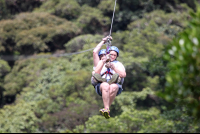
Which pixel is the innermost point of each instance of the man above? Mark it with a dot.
(107, 75)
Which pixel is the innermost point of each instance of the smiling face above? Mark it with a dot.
(113, 55)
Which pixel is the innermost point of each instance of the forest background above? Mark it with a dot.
(44, 87)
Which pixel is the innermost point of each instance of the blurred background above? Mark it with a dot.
(45, 84)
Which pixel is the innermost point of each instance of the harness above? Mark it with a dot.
(107, 72)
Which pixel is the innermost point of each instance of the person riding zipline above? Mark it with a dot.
(108, 75)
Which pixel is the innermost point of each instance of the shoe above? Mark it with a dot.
(99, 78)
(107, 114)
(102, 111)
(114, 79)
(94, 82)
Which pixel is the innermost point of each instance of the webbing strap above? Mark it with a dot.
(107, 73)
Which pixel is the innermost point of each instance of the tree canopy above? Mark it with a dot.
(47, 88)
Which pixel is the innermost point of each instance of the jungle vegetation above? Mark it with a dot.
(159, 47)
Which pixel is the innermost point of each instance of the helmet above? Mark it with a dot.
(114, 48)
(102, 51)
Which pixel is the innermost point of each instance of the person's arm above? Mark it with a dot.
(120, 70)
(100, 65)
(96, 50)
(95, 53)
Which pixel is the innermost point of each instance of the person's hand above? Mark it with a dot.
(107, 57)
(104, 59)
(105, 39)
(110, 65)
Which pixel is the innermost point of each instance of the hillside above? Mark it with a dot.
(45, 84)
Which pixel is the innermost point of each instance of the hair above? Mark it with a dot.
(100, 56)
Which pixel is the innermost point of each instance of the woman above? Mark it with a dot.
(107, 74)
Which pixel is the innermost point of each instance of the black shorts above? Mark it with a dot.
(98, 91)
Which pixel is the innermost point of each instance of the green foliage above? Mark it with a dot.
(130, 121)
(54, 91)
(182, 122)
(30, 33)
(77, 43)
(158, 126)
(141, 43)
(24, 73)
(4, 68)
(66, 9)
(157, 66)
(128, 99)
(183, 78)
(17, 6)
(3, 9)
(171, 6)
(92, 20)
(18, 118)
(55, 94)
(8, 8)
(92, 3)
(107, 7)
(166, 24)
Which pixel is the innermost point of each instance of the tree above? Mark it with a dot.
(183, 79)
(31, 33)
(69, 9)
(4, 70)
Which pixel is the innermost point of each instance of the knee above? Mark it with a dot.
(105, 87)
(113, 89)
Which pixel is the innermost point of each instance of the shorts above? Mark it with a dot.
(98, 91)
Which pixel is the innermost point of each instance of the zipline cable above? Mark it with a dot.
(112, 18)
(13, 58)
(19, 57)
(16, 57)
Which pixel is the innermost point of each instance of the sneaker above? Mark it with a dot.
(107, 114)
(94, 82)
(114, 79)
(99, 78)
(102, 111)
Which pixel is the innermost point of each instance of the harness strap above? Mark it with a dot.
(107, 72)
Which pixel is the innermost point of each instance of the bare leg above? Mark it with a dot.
(105, 87)
(113, 92)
